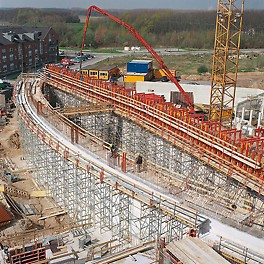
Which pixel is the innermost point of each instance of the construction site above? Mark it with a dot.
(97, 171)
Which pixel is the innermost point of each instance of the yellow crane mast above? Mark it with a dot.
(225, 60)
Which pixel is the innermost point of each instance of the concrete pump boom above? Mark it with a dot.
(147, 46)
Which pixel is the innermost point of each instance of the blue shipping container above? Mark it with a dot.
(139, 66)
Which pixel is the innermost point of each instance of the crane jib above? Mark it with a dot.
(147, 46)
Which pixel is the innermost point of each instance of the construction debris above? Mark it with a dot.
(8, 176)
(8, 189)
(5, 218)
(14, 140)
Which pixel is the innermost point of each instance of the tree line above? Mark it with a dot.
(175, 28)
(168, 28)
(58, 19)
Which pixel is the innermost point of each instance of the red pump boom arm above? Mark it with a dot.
(142, 40)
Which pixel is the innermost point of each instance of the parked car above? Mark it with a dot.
(66, 61)
(71, 61)
(81, 58)
(88, 56)
(76, 60)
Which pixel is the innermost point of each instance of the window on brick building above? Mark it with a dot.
(3, 54)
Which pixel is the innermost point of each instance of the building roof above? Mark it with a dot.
(136, 74)
(90, 67)
(44, 31)
(4, 216)
(102, 68)
(16, 34)
(192, 250)
(141, 61)
(107, 67)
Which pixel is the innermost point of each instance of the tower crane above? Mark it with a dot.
(147, 46)
(225, 60)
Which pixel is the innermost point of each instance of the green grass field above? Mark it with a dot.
(189, 63)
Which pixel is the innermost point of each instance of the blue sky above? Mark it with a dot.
(129, 4)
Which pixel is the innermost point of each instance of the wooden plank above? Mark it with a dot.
(52, 215)
(38, 194)
(126, 253)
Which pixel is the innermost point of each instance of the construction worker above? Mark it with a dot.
(139, 161)
(192, 232)
(112, 149)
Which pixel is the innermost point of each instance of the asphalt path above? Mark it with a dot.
(160, 51)
(97, 58)
(91, 61)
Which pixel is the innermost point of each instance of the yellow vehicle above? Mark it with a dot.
(159, 73)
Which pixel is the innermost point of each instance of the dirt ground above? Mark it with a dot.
(244, 79)
(12, 154)
(11, 144)
(251, 79)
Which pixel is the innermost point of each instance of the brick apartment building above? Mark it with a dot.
(24, 48)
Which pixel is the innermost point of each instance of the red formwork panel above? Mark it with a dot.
(259, 132)
(28, 255)
(149, 99)
(165, 106)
